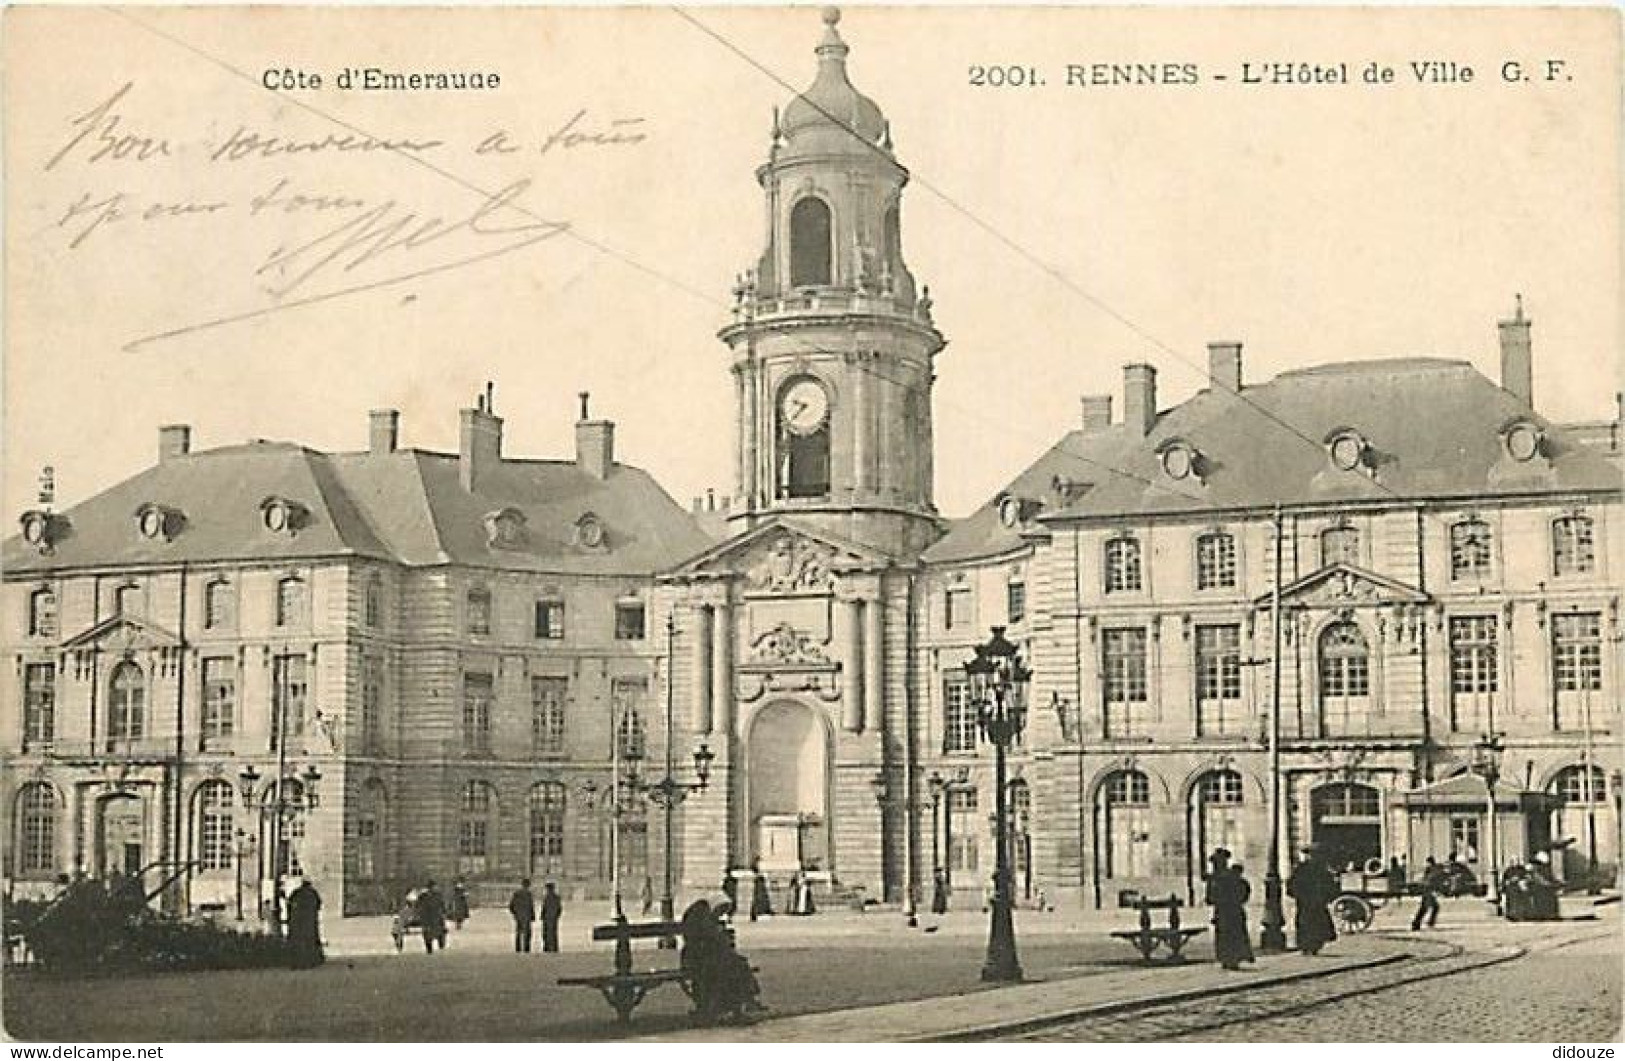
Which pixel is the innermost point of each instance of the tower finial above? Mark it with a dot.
(1518, 301)
(584, 396)
(832, 45)
(831, 16)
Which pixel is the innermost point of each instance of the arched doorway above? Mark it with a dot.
(788, 787)
(1122, 832)
(1345, 822)
(1216, 819)
(121, 834)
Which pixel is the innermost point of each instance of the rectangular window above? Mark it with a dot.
(1015, 597)
(1215, 561)
(628, 696)
(219, 612)
(1474, 678)
(288, 693)
(1123, 677)
(550, 620)
(1123, 573)
(963, 829)
(1574, 546)
(1218, 679)
(214, 827)
(629, 621)
(477, 694)
(1469, 550)
(366, 848)
(479, 612)
(955, 607)
(219, 698)
(372, 703)
(958, 717)
(290, 602)
(1464, 837)
(42, 613)
(39, 704)
(1577, 667)
(547, 707)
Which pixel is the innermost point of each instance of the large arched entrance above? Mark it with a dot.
(1346, 823)
(788, 788)
(121, 834)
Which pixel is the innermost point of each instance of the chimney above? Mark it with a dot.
(1097, 412)
(1139, 398)
(480, 451)
(174, 440)
(384, 426)
(1224, 366)
(595, 443)
(1517, 366)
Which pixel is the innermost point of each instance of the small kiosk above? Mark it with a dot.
(1452, 817)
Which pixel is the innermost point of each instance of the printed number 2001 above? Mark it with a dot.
(1005, 77)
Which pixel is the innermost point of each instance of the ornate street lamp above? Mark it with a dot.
(939, 787)
(1486, 763)
(998, 686)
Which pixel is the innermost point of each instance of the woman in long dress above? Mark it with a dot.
(1312, 887)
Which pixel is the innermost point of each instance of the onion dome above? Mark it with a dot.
(831, 116)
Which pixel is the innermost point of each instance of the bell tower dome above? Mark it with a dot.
(832, 343)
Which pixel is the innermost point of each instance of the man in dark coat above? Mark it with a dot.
(523, 908)
(1227, 893)
(939, 891)
(432, 917)
(761, 903)
(1433, 880)
(552, 910)
(304, 927)
(730, 888)
(1313, 887)
(457, 908)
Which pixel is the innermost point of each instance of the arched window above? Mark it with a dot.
(1345, 678)
(126, 704)
(1215, 561)
(1574, 545)
(291, 849)
(36, 830)
(42, 612)
(1219, 817)
(1123, 565)
(369, 830)
(1571, 784)
(547, 803)
(1339, 545)
(1346, 822)
(810, 244)
(627, 696)
(1126, 799)
(476, 836)
(893, 229)
(290, 601)
(1469, 549)
(217, 605)
(214, 825)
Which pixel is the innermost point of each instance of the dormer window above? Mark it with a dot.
(1348, 449)
(1014, 511)
(153, 522)
(504, 528)
(1524, 440)
(589, 532)
(282, 516)
(39, 529)
(1180, 460)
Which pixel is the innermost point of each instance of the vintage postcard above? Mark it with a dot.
(797, 524)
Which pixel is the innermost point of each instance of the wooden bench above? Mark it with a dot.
(625, 988)
(1148, 937)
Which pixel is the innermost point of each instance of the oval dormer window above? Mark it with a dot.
(277, 516)
(1523, 441)
(282, 516)
(1010, 511)
(151, 521)
(1178, 462)
(36, 528)
(590, 532)
(1347, 451)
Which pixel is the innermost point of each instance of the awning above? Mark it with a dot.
(1467, 792)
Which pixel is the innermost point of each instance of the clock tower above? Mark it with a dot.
(832, 342)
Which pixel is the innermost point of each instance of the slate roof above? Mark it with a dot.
(408, 506)
(1433, 426)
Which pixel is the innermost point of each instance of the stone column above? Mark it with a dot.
(744, 453)
(874, 661)
(722, 689)
(861, 426)
(849, 636)
(701, 658)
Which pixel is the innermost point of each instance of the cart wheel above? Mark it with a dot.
(1352, 913)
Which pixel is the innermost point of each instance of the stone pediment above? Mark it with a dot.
(781, 558)
(122, 634)
(1344, 585)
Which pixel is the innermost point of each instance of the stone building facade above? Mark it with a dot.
(460, 652)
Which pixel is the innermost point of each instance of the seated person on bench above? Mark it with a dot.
(723, 984)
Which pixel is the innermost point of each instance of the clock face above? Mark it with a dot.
(804, 407)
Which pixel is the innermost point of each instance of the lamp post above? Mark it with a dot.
(280, 811)
(1486, 763)
(668, 793)
(938, 785)
(1272, 932)
(998, 686)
